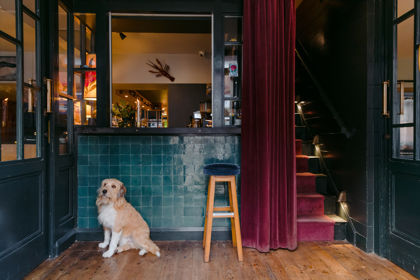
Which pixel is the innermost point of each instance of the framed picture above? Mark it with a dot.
(7, 68)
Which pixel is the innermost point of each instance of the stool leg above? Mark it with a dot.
(205, 216)
(209, 223)
(236, 217)
(232, 220)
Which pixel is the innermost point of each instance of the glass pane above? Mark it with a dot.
(78, 114)
(88, 40)
(405, 50)
(77, 42)
(62, 51)
(233, 115)
(8, 100)
(78, 85)
(29, 122)
(7, 17)
(233, 29)
(61, 126)
(29, 49)
(403, 147)
(404, 6)
(232, 71)
(403, 103)
(30, 4)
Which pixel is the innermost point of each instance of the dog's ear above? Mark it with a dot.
(122, 191)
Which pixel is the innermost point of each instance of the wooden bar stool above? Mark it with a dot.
(221, 172)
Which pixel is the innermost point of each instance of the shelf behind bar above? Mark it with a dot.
(232, 98)
(90, 130)
(84, 69)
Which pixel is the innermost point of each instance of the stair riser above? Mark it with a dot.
(298, 120)
(310, 206)
(340, 231)
(308, 149)
(298, 147)
(321, 183)
(330, 205)
(307, 165)
(305, 184)
(312, 184)
(315, 231)
(302, 133)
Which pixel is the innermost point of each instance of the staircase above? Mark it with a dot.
(316, 208)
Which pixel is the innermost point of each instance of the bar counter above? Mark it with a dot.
(162, 169)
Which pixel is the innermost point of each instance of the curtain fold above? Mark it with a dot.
(268, 179)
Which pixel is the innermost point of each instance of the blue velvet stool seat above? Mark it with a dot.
(222, 169)
(222, 172)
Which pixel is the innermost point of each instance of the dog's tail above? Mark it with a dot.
(143, 241)
(150, 246)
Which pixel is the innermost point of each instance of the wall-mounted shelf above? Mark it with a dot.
(84, 69)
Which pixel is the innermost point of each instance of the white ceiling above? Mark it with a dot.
(170, 43)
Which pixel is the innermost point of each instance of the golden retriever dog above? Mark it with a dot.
(124, 227)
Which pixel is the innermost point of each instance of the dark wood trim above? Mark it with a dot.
(155, 131)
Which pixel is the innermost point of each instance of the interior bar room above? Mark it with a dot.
(209, 139)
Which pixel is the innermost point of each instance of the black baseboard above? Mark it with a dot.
(64, 242)
(164, 234)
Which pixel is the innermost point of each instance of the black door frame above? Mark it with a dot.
(386, 242)
(61, 227)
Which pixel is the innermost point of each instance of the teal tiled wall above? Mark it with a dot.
(163, 175)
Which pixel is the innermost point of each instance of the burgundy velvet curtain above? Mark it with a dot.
(268, 179)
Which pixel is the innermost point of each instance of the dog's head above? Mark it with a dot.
(111, 191)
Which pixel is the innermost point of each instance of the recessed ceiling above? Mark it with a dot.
(170, 43)
(159, 24)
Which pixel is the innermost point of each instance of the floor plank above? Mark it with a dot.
(184, 260)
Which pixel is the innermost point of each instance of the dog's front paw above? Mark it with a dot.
(103, 245)
(108, 254)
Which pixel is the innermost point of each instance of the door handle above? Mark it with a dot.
(385, 112)
(402, 98)
(49, 94)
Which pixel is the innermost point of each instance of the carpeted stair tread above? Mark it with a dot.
(302, 163)
(315, 219)
(310, 195)
(315, 228)
(306, 163)
(310, 205)
(307, 182)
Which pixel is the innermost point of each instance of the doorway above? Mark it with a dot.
(402, 112)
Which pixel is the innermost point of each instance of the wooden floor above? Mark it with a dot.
(184, 260)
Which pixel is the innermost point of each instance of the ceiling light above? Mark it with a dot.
(126, 96)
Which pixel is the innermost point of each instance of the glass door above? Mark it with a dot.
(23, 225)
(403, 236)
(62, 160)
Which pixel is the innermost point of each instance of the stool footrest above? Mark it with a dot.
(224, 215)
(223, 208)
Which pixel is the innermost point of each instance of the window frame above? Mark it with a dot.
(18, 41)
